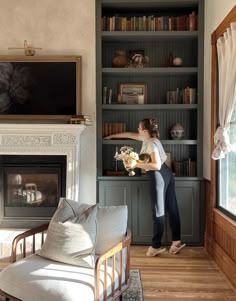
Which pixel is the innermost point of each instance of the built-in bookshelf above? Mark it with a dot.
(168, 36)
(150, 65)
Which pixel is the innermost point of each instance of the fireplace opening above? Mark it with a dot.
(30, 187)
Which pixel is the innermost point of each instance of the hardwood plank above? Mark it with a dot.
(191, 275)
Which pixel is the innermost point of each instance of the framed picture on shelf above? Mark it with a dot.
(133, 93)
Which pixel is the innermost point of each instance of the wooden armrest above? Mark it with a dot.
(22, 238)
(114, 252)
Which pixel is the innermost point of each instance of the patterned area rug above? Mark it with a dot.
(135, 291)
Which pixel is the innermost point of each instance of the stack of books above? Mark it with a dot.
(185, 168)
(81, 119)
(109, 128)
(185, 96)
(189, 95)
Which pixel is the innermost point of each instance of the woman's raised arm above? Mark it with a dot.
(126, 135)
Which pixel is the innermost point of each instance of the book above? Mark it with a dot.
(168, 161)
(104, 99)
(110, 96)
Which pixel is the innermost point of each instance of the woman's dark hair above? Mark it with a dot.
(151, 125)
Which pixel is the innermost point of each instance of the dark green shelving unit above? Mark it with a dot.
(114, 190)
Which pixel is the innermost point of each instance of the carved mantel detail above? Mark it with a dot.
(24, 140)
(62, 139)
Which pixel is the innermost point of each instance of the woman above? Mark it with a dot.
(162, 185)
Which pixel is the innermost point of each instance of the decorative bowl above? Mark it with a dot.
(177, 131)
(177, 61)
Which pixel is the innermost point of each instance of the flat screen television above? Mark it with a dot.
(41, 86)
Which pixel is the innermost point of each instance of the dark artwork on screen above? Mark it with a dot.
(38, 88)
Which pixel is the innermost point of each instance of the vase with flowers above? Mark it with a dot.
(128, 157)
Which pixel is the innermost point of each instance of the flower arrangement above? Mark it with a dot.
(129, 158)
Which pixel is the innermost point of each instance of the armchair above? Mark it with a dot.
(37, 277)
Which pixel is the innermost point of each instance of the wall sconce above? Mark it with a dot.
(28, 49)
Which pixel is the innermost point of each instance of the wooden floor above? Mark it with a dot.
(189, 276)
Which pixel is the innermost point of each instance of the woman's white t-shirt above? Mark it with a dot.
(153, 145)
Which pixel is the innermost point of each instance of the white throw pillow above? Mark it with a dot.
(112, 226)
(72, 234)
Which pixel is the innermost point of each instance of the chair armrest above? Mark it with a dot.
(21, 238)
(112, 253)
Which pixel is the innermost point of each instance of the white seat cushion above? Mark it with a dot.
(36, 278)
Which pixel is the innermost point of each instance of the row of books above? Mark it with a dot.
(109, 128)
(186, 96)
(149, 23)
(185, 168)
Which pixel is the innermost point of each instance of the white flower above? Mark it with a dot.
(129, 158)
(134, 156)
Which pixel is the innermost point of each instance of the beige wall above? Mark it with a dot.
(60, 27)
(68, 27)
(215, 12)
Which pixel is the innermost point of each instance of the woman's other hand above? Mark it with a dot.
(123, 135)
(108, 137)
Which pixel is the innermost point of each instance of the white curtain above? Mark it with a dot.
(226, 51)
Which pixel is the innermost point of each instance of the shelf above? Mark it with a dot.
(133, 36)
(140, 4)
(145, 178)
(119, 141)
(128, 141)
(149, 71)
(150, 107)
(178, 142)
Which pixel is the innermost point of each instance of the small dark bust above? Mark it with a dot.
(146, 158)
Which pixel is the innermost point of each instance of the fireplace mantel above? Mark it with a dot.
(46, 139)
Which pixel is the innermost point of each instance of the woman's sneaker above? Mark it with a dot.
(155, 251)
(174, 249)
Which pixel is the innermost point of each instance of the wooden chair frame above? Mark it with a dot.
(114, 252)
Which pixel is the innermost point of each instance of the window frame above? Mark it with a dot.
(218, 173)
(214, 184)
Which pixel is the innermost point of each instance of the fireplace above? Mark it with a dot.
(31, 185)
(39, 163)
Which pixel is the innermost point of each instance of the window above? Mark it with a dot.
(227, 174)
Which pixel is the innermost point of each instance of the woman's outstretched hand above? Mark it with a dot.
(108, 137)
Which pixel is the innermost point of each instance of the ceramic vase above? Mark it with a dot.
(120, 60)
(177, 131)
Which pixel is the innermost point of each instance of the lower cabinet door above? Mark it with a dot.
(141, 213)
(142, 222)
(188, 198)
(116, 193)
